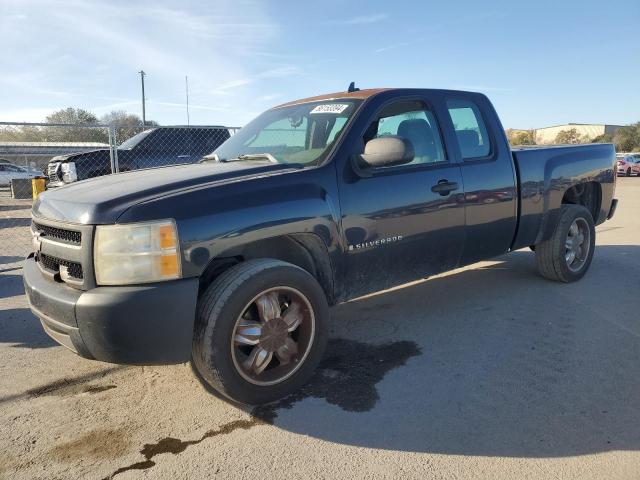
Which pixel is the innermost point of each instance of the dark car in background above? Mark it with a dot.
(155, 147)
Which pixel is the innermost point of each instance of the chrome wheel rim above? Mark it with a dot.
(577, 244)
(273, 336)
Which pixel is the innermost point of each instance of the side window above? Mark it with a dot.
(471, 131)
(414, 121)
(166, 141)
(174, 140)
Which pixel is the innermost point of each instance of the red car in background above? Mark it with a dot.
(628, 164)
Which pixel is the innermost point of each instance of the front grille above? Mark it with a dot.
(52, 172)
(63, 235)
(53, 264)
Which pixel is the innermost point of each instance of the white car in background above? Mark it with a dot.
(628, 164)
(9, 171)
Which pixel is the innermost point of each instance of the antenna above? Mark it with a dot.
(352, 88)
(144, 114)
(186, 85)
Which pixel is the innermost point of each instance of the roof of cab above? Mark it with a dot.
(370, 92)
(361, 94)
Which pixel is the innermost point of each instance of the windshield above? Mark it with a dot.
(301, 134)
(135, 140)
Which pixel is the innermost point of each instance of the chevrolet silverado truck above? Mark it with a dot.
(154, 147)
(233, 262)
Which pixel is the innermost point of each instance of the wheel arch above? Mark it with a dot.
(305, 250)
(587, 194)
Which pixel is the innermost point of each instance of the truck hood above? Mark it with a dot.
(102, 200)
(71, 156)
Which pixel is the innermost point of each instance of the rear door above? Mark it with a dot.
(164, 146)
(490, 196)
(405, 222)
(205, 140)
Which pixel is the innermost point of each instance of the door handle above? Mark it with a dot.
(444, 187)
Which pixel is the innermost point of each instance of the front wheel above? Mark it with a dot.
(261, 329)
(628, 172)
(567, 255)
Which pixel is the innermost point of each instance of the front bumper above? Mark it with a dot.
(138, 325)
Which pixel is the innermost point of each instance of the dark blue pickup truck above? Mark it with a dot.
(233, 262)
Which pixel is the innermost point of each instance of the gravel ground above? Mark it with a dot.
(485, 372)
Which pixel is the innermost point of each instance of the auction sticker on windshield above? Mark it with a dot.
(330, 108)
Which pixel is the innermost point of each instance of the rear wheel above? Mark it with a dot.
(567, 255)
(261, 331)
(628, 172)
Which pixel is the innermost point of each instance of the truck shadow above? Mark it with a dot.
(19, 327)
(9, 259)
(510, 365)
(11, 285)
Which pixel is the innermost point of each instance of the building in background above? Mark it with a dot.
(547, 135)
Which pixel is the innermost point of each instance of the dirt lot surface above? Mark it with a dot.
(486, 372)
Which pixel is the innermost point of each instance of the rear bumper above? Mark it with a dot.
(612, 210)
(140, 325)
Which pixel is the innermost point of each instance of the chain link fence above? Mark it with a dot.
(59, 154)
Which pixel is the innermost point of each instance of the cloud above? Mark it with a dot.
(277, 72)
(227, 87)
(268, 98)
(36, 114)
(87, 52)
(191, 105)
(397, 45)
(480, 88)
(364, 19)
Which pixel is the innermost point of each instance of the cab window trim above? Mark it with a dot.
(409, 167)
(492, 155)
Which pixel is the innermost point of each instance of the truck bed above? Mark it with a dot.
(544, 173)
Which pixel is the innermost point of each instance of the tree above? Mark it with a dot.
(74, 116)
(127, 124)
(627, 139)
(604, 138)
(521, 137)
(570, 136)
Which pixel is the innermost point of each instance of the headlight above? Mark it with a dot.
(136, 253)
(69, 172)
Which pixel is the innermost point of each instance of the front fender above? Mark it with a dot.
(215, 220)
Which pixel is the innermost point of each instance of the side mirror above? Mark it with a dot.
(387, 152)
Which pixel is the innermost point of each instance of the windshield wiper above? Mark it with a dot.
(253, 156)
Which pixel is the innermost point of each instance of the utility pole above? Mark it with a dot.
(186, 84)
(144, 115)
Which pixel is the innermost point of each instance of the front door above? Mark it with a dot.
(405, 222)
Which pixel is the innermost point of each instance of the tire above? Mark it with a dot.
(235, 296)
(628, 172)
(552, 255)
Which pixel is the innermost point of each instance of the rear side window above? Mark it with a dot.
(471, 131)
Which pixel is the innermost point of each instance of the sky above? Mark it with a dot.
(541, 63)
